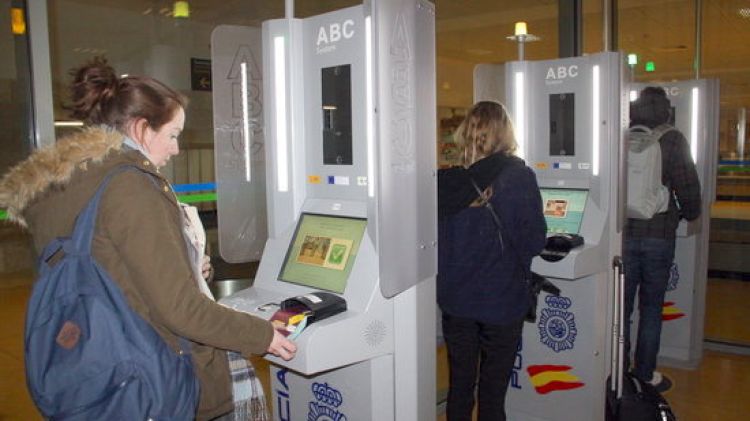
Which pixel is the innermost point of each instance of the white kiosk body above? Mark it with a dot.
(349, 101)
(570, 116)
(695, 106)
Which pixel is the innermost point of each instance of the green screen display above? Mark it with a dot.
(322, 251)
(563, 209)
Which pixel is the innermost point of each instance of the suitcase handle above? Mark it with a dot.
(618, 264)
(618, 316)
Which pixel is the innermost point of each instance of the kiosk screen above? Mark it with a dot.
(562, 124)
(337, 115)
(322, 251)
(563, 209)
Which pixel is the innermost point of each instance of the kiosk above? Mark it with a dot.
(695, 105)
(349, 117)
(570, 116)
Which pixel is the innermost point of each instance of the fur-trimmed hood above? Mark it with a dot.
(54, 165)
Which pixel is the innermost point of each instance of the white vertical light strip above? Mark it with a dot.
(595, 125)
(519, 106)
(370, 109)
(245, 121)
(633, 96)
(282, 163)
(694, 124)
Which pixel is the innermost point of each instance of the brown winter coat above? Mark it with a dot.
(138, 240)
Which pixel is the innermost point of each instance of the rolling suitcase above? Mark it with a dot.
(629, 398)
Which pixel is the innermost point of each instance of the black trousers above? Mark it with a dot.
(490, 347)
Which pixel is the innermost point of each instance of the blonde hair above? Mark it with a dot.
(486, 130)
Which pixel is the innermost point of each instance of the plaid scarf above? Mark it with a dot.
(249, 400)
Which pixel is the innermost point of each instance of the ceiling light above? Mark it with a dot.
(521, 35)
(181, 9)
(18, 21)
(521, 29)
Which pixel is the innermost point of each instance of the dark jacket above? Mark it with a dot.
(477, 278)
(681, 178)
(138, 240)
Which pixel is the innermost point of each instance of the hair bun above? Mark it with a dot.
(94, 84)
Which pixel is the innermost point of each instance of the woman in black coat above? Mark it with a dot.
(484, 260)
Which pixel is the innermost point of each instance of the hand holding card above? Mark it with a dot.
(290, 321)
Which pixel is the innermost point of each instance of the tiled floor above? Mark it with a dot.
(717, 390)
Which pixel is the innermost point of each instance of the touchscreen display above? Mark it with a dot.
(322, 251)
(563, 209)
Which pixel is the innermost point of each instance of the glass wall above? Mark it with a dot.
(144, 36)
(15, 87)
(726, 56)
(15, 123)
(471, 33)
(664, 33)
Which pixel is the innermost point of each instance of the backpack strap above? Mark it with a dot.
(661, 130)
(83, 232)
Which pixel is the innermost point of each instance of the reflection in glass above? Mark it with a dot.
(562, 124)
(337, 115)
(16, 135)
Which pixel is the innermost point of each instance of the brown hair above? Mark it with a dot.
(486, 130)
(100, 97)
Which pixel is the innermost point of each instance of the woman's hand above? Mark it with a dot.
(207, 270)
(282, 347)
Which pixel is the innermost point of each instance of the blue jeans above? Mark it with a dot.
(647, 263)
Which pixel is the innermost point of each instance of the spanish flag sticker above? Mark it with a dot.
(313, 179)
(670, 312)
(551, 378)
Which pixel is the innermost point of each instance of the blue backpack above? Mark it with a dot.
(89, 356)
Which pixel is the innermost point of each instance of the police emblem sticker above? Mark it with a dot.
(557, 326)
(326, 405)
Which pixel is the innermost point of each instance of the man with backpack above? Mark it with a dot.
(649, 238)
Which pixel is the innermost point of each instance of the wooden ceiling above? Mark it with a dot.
(474, 31)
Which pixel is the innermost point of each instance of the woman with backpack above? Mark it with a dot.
(490, 227)
(139, 235)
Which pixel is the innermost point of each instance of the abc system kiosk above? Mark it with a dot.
(349, 99)
(695, 106)
(569, 116)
